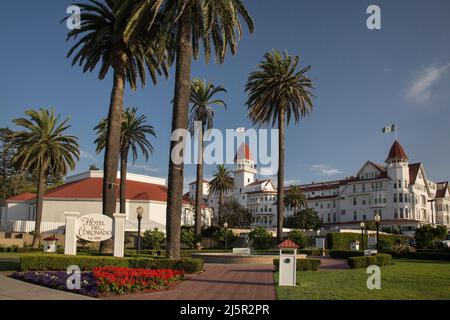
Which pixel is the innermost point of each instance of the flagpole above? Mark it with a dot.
(395, 132)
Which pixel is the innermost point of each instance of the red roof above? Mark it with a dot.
(440, 193)
(258, 182)
(413, 171)
(22, 197)
(244, 153)
(397, 153)
(288, 244)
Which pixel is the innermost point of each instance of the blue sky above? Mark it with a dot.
(364, 80)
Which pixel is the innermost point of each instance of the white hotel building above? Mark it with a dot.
(399, 191)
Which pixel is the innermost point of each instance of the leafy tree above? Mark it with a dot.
(298, 237)
(219, 236)
(236, 215)
(153, 239)
(43, 149)
(427, 236)
(188, 237)
(305, 219)
(295, 198)
(278, 91)
(102, 42)
(185, 27)
(261, 239)
(134, 138)
(203, 101)
(220, 185)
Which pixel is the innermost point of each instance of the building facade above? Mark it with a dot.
(399, 191)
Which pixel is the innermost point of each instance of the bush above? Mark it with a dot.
(298, 237)
(341, 241)
(381, 259)
(302, 264)
(427, 236)
(58, 262)
(261, 239)
(153, 239)
(428, 255)
(222, 234)
(188, 237)
(344, 254)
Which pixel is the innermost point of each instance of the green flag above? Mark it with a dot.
(389, 129)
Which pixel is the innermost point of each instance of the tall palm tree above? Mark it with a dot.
(220, 185)
(102, 41)
(202, 110)
(276, 92)
(184, 25)
(295, 198)
(133, 137)
(43, 149)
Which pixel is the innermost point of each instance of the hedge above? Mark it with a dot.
(427, 255)
(302, 264)
(381, 259)
(56, 262)
(344, 254)
(17, 249)
(341, 241)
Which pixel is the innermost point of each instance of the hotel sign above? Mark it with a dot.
(94, 227)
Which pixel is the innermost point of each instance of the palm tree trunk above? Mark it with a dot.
(112, 150)
(199, 188)
(39, 207)
(123, 180)
(280, 192)
(179, 121)
(221, 201)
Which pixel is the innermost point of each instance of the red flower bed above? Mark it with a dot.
(118, 280)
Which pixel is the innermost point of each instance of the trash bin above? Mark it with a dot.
(50, 244)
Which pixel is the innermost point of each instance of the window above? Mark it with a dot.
(401, 213)
(406, 213)
(395, 197)
(342, 212)
(354, 188)
(395, 213)
(355, 216)
(354, 201)
(329, 218)
(334, 216)
(364, 202)
(400, 197)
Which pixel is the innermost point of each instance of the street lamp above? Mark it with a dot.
(362, 225)
(377, 219)
(225, 225)
(139, 212)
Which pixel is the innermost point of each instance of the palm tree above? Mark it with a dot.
(134, 138)
(184, 26)
(277, 91)
(43, 149)
(295, 198)
(220, 185)
(203, 102)
(102, 41)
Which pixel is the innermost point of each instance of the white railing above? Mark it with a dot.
(22, 226)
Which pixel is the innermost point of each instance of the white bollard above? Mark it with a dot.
(119, 234)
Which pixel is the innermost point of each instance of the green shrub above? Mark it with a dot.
(188, 237)
(153, 239)
(428, 255)
(341, 241)
(222, 234)
(59, 262)
(298, 237)
(261, 239)
(344, 254)
(381, 259)
(302, 264)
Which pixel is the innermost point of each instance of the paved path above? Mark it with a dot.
(11, 289)
(220, 282)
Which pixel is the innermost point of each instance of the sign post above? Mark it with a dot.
(70, 242)
(119, 234)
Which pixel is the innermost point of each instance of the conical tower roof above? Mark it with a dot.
(397, 153)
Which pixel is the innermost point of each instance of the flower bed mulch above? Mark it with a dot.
(107, 280)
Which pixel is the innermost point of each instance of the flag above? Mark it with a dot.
(389, 129)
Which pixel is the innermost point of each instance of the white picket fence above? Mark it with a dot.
(22, 226)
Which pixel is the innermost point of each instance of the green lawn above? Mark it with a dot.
(10, 255)
(405, 280)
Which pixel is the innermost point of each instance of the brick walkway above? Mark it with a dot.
(220, 282)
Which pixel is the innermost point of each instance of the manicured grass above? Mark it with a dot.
(405, 280)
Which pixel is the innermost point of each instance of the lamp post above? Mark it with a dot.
(362, 225)
(377, 219)
(139, 212)
(225, 225)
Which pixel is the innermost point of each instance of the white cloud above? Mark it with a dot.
(144, 167)
(420, 88)
(87, 155)
(325, 170)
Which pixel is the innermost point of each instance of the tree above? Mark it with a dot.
(427, 236)
(219, 185)
(298, 237)
(276, 92)
(188, 237)
(134, 138)
(295, 198)
(305, 219)
(186, 26)
(261, 239)
(43, 149)
(203, 101)
(153, 239)
(103, 39)
(221, 234)
(236, 215)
